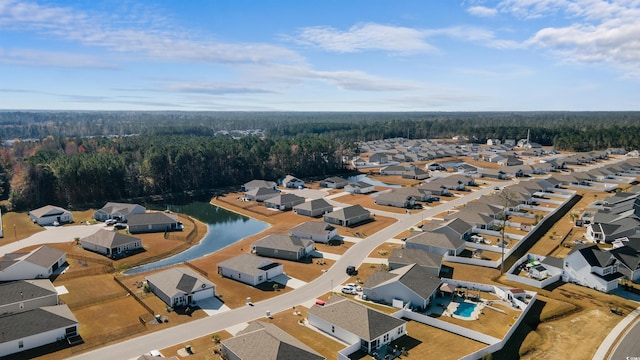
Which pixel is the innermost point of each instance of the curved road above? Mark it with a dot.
(629, 346)
(321, 285)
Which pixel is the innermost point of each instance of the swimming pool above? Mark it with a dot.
(465, 309)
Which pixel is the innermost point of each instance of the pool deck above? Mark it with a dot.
(475, 314)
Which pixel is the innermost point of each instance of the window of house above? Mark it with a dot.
(385, 338)
(399, 330)
(20, 344)
(260, 278)
(333, 328)
(239, 276)
(21, 306)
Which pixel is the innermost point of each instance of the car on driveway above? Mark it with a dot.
(354, 286)
(119, 226)
(351, 270)
(110, 222)
(349, 290)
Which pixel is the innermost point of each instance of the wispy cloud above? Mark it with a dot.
(217, 88)
(134, 34)
(482, 11)
(30, 57)
(369, 36)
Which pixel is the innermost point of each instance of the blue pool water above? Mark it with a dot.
(465, 309)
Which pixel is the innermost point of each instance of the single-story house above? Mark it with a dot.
(438, 243)
(292, 182)
(261, 194)
(39, 263)
(119, 211)
(415, 174)
(315, 230)
(493, 174)
(49, 214)
(34, 328)
(250, 269)
(360, 187)
(283, 201)
(313, 208)
(110, 243)
(260, 340)
(283, 247)
(348, 216)
(395, 199)
(180, 286)
(418, 194)
(393, 170)
(24, 295)
(435, 189)
(354, 323)
(153, 222)
(334, 182)
(402, 257)
(256, 184)
(413, 284)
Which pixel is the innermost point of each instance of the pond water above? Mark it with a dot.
(371, 181)
(224, 228)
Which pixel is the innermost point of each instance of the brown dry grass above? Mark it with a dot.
(368, 202)
(395, 180)
(384, 250)
(202, 347)
(17, 226)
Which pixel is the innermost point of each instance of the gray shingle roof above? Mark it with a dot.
(179, 280)
(283, 242)
(44, 256)
(266, 341)
(314, 205)
(15, 291)
(348, 212)
(153, 218)
(48, 210)
(415, 256)
(109, 239)
(27, 323)
(313, 227)
(245, 263)
(363, 321)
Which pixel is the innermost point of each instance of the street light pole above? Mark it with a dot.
(15, 234)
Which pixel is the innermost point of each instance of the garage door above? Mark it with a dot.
(204, 294)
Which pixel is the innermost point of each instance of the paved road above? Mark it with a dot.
(59, 234)
(323, 284)
(629, 346)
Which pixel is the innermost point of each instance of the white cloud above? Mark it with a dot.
(30, 57)
(217, 88)
(602, 32)
(369, 36)
(482, 11)
(133, 34)
(360, 81)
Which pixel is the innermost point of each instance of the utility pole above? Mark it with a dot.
(507, 198)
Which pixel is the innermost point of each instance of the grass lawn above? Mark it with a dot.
(202, 347)
(365, 200)
(17, 226)
(384, 250)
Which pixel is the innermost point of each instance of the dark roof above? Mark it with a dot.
(419, 280)
(16, 291)
(314, 205)
(348, 212)
(593, 255)
(628, 256)
(283, 242)
(48, 210)
(553, 261)
(32, 322)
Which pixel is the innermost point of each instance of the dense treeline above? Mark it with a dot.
(75, 172)
(76, 158)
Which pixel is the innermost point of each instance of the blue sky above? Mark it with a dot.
(320, 55)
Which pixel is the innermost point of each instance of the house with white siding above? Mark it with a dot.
(315, 230)
(589, 266)
(40, 263)
(118, 211)
(48, 215)
(413, 284)
(283, 247)
(250, 269)
(180, 286)
(313, 208)
(24, 295)
(354, 323)
(111, 243)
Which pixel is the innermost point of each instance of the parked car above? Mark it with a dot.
(119, 226)
(354, 286)
(56, 223)
(351, 270)
(110, 222)
(349, 290)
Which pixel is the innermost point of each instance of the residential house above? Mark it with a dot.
(260, 340)
(334, 182)
(393, 170)
(292, 182)
(110, 243)
(180, 286)
(348, 216)
(455, 182)
(510, 161)
(403, 256)
(436, 189)
(315, 230)
(493, 174)
(378, 159)
(37, 327)
(441, 237)
(48, 215)
(628, 262)
(256, 184)
(589, 266)
(283, 247)
(24, 295)
(153, 222)
(608, 232)
(313, 208)
(414, 285)
(435, 167)
(355, 323)
(261, 194)
(250, 269)
(416, 193)
(118, 211)
(360, 187)
(395, 199)
(415, 173)
(40, 263)
(283, 202)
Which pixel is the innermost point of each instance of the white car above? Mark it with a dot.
(349, 290)
(354, 286)
(110, 222)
